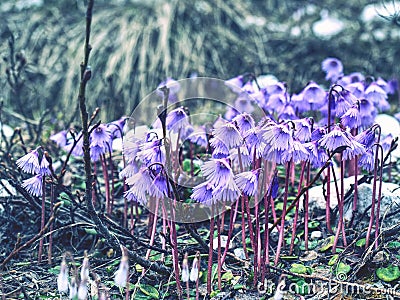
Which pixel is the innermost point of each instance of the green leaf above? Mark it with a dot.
(214, 293)
(313, 224)
(327, 244)
(239, 287)
(228, 276)
(333, 260)
(91, 231)
(389, 273)
(55, 270)
(298, 269)
(360, 242)
(149, 291)
(342, 268)
(393, 245)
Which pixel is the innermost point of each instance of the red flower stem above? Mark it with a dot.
(378, 207)
(306, 209)
(50, 248)
(232, 219)
(106, 184)
(111, 165)
(296, 213)
(94, 185)
(43, 216)
(265, 261)
(243, 228)
(340, 228)
(210, 252)
(219, 265)
(282, 228)
(376, 164)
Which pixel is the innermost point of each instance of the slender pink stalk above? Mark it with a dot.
(210, 253)
(306, 209)
(282, 228)
(296, 214)
(50, 248)
(43, 216)
(378, 207)
(106, 183)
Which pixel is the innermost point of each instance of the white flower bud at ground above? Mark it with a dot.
(83, 290)
(73, 289)
(121, 275)
(185, 269)
(194, 272)
(85, 268)
(62, 279)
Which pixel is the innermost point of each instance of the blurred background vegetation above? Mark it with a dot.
(137, 44)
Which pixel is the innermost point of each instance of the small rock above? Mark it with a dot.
(316, 235)
(239, 253)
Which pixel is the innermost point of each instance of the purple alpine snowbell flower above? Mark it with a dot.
(247, 182)
(177, 120)
(298, 152)
(375, 93)
(235, 82)
(130, 170)
(276, 102)
(366, 161)
(245, 157)
(300, 103)
(351, 118)
(366, 138)
(159, 187)
(152, 152)
(357, 89)
(343, 102)
(367, 112)
(254, 140)
(317, 155)
(287, 113)
(29, 163)
(356, 150)
(303, 129)
(60, 138)
(318, 133)
(116, 127)
(44, 167)
(278, 137)
(315, 95)
(130, 149)
(77, 151)
(220, 149)
(229, 135)
(335, 139)
(244, 122)
(226, 191)
(140, 185)
(351, 78)
(203, 193)
(199, 137)
(243, 104)
(34, 185)
(333, 68)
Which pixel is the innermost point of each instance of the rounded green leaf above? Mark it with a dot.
(298, 269)
(389, 273)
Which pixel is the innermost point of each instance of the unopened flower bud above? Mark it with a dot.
(62, 279)
(83, 290)
(185, 269)
(121, 275)
(194, 272)
(73, 288)
(85, 268)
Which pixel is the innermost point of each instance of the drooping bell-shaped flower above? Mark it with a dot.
(315, 95)
(203, 193)
(60, 138)
(317, 155)
(303, 129)
(229, 135)
(34, 185)
(29, 163)
(334, 139)
(351, 118)
(247, 182)
(244, 122)
(177, 120)
(333, 68)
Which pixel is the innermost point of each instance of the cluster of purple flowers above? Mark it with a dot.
(31, 164)
(101, 139)
(294, 129)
